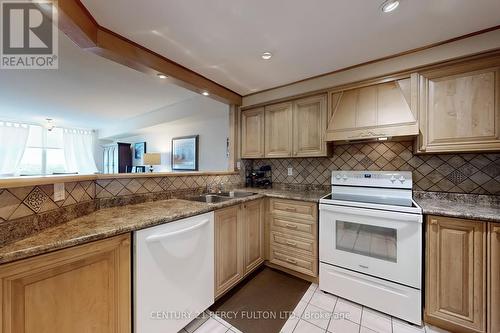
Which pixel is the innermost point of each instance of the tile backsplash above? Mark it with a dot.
(458, 173)
(26, 210)
(24, 201)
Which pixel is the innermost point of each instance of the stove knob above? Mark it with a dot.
(344, 177)
(393, 179)
(338, 177)
(402, 179)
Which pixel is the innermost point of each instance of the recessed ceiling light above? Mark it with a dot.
(205, 93)
(161, 76)
(267, 55)
(389, 5)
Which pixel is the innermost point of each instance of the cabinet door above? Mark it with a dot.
(460, 109)
(253, 230)
(228, 249)
(456, 274)
(252, 133)
(309, 126)
(278, 124)
(494, 278)
(79, 290)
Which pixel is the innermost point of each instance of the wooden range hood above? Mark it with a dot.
(368, 112)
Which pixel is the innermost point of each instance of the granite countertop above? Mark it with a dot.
(311, 196)
(110, 222)
(467, 206)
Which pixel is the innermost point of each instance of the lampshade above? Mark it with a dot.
(152, 159)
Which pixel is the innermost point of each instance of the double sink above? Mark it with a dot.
(220, 196)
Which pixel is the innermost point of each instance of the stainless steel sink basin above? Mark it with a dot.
(236, 194)
(220, 197)
(209, 198)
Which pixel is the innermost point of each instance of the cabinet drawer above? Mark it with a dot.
(303, 245)
(296, 209)
(294, 227)
(294, 261)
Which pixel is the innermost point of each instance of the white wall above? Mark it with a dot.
(204, 117)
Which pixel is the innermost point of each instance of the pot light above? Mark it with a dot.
(267, 55)
(384, 138)
(389, 5)
(161, 76)
(205, 93)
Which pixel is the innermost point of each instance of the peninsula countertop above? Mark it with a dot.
(114, 221)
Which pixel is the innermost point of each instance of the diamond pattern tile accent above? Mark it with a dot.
(462, 173)
(36, 199)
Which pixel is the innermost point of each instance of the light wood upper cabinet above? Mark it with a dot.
(79, 290)
(290, 129)
(309, 126)
(252, 133)
(278, 130)
(379, 110)
(253, 228)
(228, 248)
(460, 108)
(494, 278)
(455, 296)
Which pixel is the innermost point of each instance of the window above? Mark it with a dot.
(44, 153)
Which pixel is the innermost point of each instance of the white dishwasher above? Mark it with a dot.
(173, 273)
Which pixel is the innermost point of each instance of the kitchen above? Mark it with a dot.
(335, 170)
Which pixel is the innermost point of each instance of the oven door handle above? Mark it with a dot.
(371, 213)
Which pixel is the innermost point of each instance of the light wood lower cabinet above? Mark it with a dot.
(253, 229)
(494, 278)
(228, 248)
(239, 243)
(79, 290)
(455, 296)
(293, 241)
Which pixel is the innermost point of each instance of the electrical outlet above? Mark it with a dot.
(238, 165)
(290, 171)
(59, 192)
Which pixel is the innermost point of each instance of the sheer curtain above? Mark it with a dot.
(78, 151)
(13, 138)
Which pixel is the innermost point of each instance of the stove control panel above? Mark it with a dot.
(387, 179)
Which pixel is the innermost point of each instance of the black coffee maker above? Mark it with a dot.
(261, 177)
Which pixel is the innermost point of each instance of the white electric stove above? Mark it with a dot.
(370, 242)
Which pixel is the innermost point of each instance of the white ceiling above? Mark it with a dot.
(223, 39)
(87, 91)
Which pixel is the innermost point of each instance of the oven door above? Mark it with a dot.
(380, 243)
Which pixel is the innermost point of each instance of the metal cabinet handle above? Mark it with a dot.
(291, 243)
(291, 209)
(434, 222)
(292, 261)
(291, 226)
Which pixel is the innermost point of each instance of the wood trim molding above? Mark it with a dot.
(81, 27)
(398, 75)
(418, 49)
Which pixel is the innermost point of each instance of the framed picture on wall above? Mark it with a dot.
(139, 150)
(185, 153)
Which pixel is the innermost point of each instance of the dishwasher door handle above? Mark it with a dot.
(160, 237)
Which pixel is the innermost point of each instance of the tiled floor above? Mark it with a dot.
(209, 323)
(320, 312)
